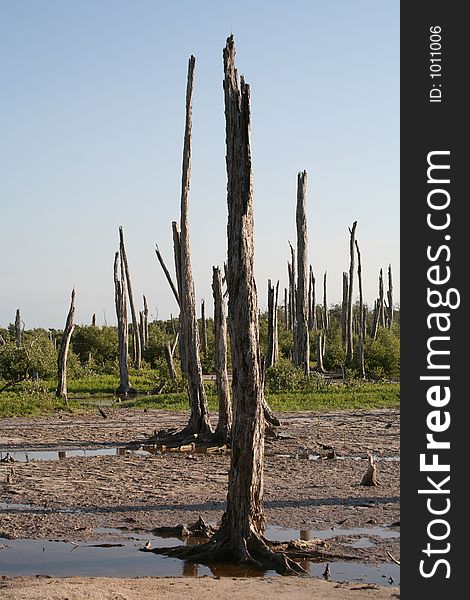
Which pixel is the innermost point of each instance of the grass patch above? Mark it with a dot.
(38, 397)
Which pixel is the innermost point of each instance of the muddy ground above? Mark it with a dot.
(312, 478)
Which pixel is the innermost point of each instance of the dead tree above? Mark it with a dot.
(272, 353)
(349, 330)
(203, 328)
(301, 338)
(93, 320)
(120, 298)
(167, 274)
(381, 304)
(292, 290)
(199, 422)
(390, 298)
(320, 349)
(18, 328)
(311, 300)
(169, 361)
(61, 391)
(326, 315)
(136, 345)
(224, 425)
(375, 321)
(344, 310)
(145, 327)
(286, 311)
(362, 317)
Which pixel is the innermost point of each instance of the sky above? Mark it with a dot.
(92, 117)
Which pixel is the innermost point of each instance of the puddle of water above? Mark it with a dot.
(26, 456)
(61, 558)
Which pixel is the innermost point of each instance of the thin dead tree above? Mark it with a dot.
(349, 331)
(199, 422)
(18, 328)
(167, 274)
(362, 317)
(120, 298)
(240, 537)
(381, 304)
(224, 425)
(167, 349)
(136, 345)
(286, 311)
(291, 268)
(390, 298)
(61, 391)
(272, 353)
(301, 337)
(326, 315)
(203, 327)
(93, 320)
(344, 310)
(311, 300)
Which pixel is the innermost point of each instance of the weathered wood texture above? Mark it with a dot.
(203, 328)
(361, 316)
(136, 345)
(244, 514)
(326, 313)
(349, 331)
(344, 310)
(224, 424)
(312, 321)
(189, 333)
(390, 298)
(167, 274)
(301, 337)
(61, 391)
(272, 353)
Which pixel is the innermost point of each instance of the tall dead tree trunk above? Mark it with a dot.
(301, 338)
(18, 328)
(390, 298)
(169, 361)
(203, 328)
(362, 324)
(224, 425)
(135, 325)
(293, 290)
(240, 536)
(286, 311)
(177, 254)
(349, 332)
(120, 298)
(199, 414)
(375, 321)
(61, 391)
(93, 320)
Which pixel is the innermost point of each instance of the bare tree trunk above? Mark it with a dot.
(145, 324)
(311, 301)
(362, 324)
(177, 254)
(344, 310)
(375, 321)
(320, 351)
(93, 320)
(286, 310)
(120, 297)
(349, 332)
(135, 325)
(18, 328)
(169, 361)
(390, 298)
(326, 315)
(224, 425)
(61, 391)
(293, 291)
(381, 306)
(301, 338)
(272, 353)
(203, 328)
(199, 414)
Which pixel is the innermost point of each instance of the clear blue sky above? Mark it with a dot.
(91, 129)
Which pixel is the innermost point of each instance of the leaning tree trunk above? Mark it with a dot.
(301, 338)
(224, 425)
(349, 330)
(199, 413)
(61, 391)
(169, 361)
(135, 324)
(120, 298)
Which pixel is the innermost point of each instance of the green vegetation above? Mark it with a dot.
(28, 373)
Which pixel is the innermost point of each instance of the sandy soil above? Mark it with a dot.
(138, 491)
